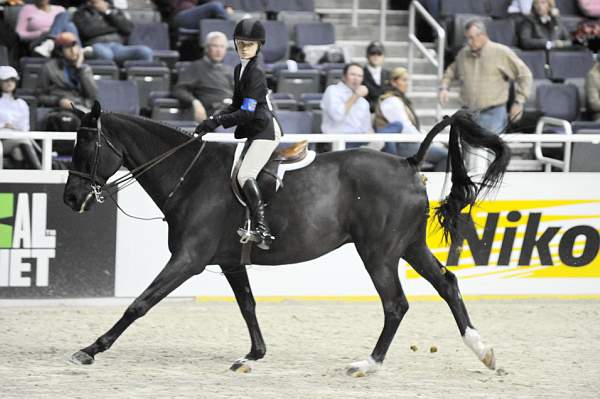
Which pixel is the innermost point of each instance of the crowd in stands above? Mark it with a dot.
(175, 63)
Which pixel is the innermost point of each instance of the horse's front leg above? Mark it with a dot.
(179, 268)
(238, 280)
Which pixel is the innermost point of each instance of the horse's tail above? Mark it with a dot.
(463, 129)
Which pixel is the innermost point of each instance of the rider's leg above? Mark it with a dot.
(256, 157)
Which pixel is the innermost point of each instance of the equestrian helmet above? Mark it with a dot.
(250, 29)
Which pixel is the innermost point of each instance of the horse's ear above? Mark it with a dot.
(80, 114)
(96, 109)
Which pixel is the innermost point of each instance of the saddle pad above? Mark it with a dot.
(282, 168)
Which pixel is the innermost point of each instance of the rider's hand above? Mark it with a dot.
(199, 111)
(207, 125)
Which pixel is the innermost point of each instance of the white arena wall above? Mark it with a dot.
(558, 255)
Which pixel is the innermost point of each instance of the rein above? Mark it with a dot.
(98, 185)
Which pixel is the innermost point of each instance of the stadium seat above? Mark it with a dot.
(3, 55)
(169, 109)
(570, 64)
(296, 83)
(293, 18)
(535, 60)
(156, 36)
(449, 8)
(284, 101)
(143, 16)
(333, 76)
(295, 122)
(567, 7)
(311, 101)
(149, 79)
(314, 33)
(211, 25)
(502, 31)
(246, 5)
(104, 69)
(11, 14)
(558, 100)
(585, 157)
(40, 117)
(290, 5)
(499, 8)
(276, 48)
(30, 70)
(119, 96)
(31, 101)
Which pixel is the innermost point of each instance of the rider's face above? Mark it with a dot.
(246, 48)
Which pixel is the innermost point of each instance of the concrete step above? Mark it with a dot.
(420, 66)
(365, 17)
(358, 48)
(428, 100)
(362, 4)
(370, 32)
(424, 82)
(427, 117)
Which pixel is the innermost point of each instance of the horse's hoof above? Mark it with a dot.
(362, 368)
(242, 367)
(81, 358)
(489, 359)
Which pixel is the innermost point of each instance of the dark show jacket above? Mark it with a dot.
(375, 90)
(249, 109)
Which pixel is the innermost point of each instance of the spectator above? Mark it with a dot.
(394, 114)
(105, 29)
(62, 23)
(35, 19)
(543, 29)
(207, 83)
(345, 108)
(65, 81)
(376, 78)
(188, 13)
(592, 91)
(14, 115)
(485, 70)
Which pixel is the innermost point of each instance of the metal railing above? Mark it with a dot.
(339, 140)
(382, 16)
(413, 41)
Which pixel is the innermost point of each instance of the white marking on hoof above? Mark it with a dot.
(484, 352)
(242, 365)
(363, 367)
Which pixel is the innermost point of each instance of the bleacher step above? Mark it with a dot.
(357, 48)
(371, 32)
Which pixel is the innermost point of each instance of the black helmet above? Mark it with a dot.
(249, 29)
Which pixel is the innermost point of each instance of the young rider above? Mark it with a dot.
(251, 112)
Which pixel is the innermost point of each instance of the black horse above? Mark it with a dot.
(375, 200)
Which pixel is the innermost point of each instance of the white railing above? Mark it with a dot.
(416, 7)
(339, 140)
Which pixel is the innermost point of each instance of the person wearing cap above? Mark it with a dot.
(376, 78)
(65, 81)
(206, 83)
(14, 115)
(252, 113)
(395, 114)
(106, 29)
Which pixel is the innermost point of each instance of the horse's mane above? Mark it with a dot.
(159, 128)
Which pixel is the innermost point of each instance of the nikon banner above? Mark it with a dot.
(539, 234)
(49, 251)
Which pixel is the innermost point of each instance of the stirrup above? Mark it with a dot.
(266, 239)
(247, 234)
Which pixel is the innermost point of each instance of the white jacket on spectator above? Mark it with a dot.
(335, 117)
(15, 112)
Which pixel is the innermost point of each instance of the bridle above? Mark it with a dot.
(98, 184)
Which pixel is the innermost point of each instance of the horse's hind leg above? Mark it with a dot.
(177, 271)
(444, 281)
(238, 280)
(384, 275)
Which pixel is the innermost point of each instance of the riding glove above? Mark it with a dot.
(207, 125)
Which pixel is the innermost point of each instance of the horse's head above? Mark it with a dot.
(95, 159)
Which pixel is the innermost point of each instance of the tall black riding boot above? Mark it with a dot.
(257, 208)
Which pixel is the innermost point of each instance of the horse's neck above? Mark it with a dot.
(142, 147)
